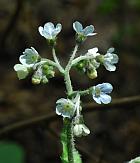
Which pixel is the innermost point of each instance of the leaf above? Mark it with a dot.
(11, 152)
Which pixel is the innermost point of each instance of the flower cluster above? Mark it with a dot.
(43, 69)
(29, 58)
(30, 62)
(93, 60)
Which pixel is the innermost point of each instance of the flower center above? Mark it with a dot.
(67, 107)
(97, 92)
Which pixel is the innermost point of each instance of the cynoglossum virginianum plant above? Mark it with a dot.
(69, 107)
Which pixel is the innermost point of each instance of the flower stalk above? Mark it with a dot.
(42, 69)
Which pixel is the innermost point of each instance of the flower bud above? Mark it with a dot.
(36, 80)
(80, 130)
(92, 74)
(44, 80)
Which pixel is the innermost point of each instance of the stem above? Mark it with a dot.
(83, 57)
(60, 68)
(82, 93)
(67, 70)
(70, 141)
(70, 137)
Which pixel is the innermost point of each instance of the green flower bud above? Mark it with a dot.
(37, 76)
(44, 80)
(81, 65)
(48, 71)
(92, 74)
(36, 80)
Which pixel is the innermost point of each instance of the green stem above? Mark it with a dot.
(82, 93)
(67, 70)
(57, 61)
(70, 141)
(80, 58)
(70, 137)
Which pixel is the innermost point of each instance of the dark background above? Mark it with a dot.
(115, 130)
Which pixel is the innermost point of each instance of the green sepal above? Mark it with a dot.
(80, 38)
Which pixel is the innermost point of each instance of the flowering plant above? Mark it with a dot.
(69, 108)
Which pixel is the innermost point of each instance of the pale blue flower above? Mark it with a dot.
(100, 93)
(49, 31)
(136, 160)
(88, 31)
(29, 58)
(93, 52)
(65, 108)
(110, 59)
(80, 130)
(22, 71)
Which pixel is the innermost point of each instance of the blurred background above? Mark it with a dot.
(29, 129)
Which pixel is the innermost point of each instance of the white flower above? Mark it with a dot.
(88, 31)
(100, 93)
(110, 59)
(93, 52)
(22, 71)
(65, 108)
(49, 31)
(136, 160)
(29, 57)
(80, 130)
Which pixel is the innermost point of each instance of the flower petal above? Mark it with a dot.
(110, 50)
(40, 29)
(97, 99)
(58, 28)
(88, 30)
(86, 131)
(105, 99)
(109, 66)
(77, 26)
(105, 87)
(49, 27)
(115, 58)
(93, 52)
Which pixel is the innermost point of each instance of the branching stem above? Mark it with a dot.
(67, 70)
(60, 68)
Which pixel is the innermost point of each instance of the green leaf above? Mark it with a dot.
(11, 152)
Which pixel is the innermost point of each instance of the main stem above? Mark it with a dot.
(70, 143)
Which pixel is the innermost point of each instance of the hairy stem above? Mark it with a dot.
(57, 61)
(67, 70)
(70, 137)
(82, 57)
(70, 142)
